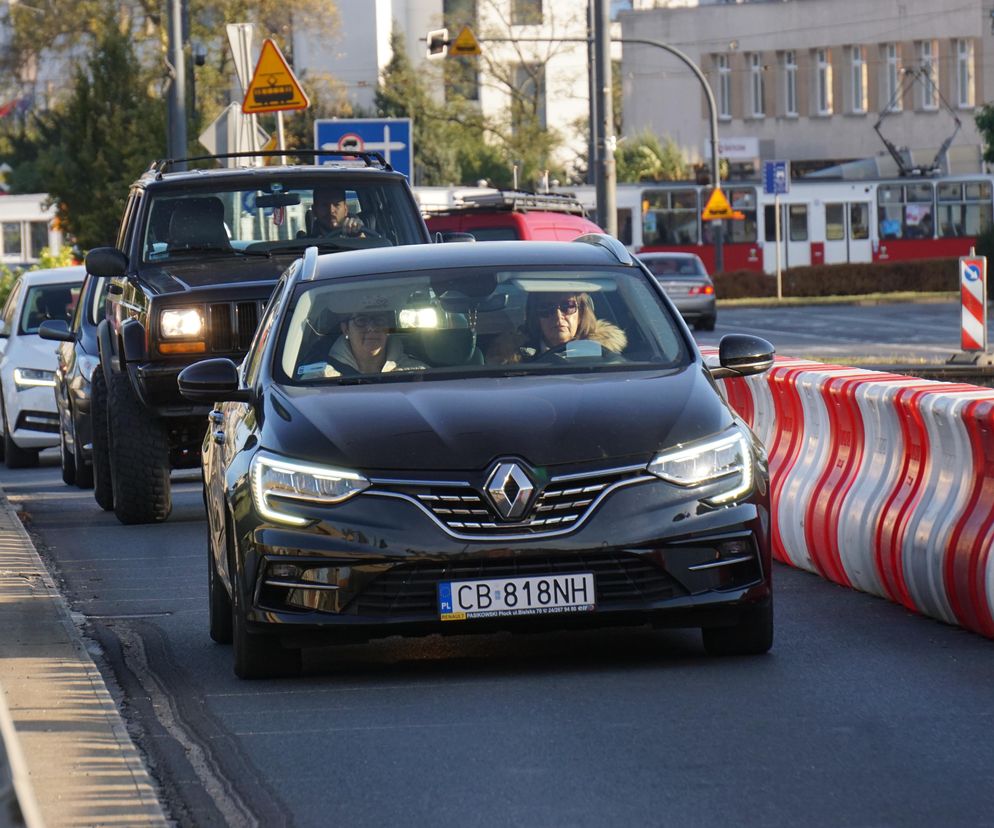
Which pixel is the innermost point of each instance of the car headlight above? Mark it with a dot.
(87, 365)
(276, 478)
(726, 458)
(33, 378)
(180, 323)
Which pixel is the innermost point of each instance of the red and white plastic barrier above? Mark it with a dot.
(880, 482)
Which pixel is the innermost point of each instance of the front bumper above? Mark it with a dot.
(371, 567)
(34, 418)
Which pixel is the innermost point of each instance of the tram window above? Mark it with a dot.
(905, 211)
(964, 209)
(625, 226)
(920, 192)
(670, 217)
(798, 220)
(39, 238)
(742, 230)
(859, 220)
(835, 217)
(11, 238)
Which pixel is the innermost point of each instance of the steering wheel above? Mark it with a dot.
(364, 232)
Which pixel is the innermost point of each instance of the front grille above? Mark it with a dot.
(619, 578)
(561, 504)
(231, 325)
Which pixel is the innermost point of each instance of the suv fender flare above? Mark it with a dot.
(105, 348)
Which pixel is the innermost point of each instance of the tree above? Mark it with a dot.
(644, 157)
(985, 123)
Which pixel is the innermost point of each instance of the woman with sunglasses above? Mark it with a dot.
(552, 320)
(366, 346)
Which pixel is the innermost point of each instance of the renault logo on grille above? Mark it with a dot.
(511, 489)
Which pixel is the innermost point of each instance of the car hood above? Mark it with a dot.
(211, 271)
(467, 424)
(31, 351)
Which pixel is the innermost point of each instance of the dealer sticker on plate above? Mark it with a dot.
(503, 597)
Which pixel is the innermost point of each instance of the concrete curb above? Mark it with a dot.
(82, 765)
(18, 806)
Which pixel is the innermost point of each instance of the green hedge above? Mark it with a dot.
(924, 276)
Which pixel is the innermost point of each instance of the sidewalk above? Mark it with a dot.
(83, 768)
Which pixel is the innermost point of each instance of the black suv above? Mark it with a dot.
(196, 259)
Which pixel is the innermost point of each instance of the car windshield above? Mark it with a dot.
(45, 302)
(675, 266)
(275, 217)
(487, 322)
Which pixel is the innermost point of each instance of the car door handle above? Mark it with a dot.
(216, 417)
(219, 437)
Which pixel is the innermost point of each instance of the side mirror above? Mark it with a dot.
(741, 355)
(106, 261)
(57, 330)
(212, 381)
(454, 237)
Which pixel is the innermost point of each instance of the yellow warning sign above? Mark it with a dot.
(719, 208)
(465, 43)
(274, 86)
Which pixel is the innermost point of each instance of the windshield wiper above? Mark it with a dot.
(200, 250)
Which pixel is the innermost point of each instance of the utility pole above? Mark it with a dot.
(591, 97)
(607, 197)
(177, 86)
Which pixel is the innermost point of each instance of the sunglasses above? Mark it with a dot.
(567, 308)
(371, 320)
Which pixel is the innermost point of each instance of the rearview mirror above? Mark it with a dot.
(454, 237)
(56, 330)
(212, 381)
(277, 200)
(742, 355)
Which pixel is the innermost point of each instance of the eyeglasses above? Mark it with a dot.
(567, 307)
(371, 320)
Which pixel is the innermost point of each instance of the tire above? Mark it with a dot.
(103, 490)
(707, 323)
(219, 602)
(13, 455)
(68, 461)
(139, 457)
(259, 656)
(753, 635)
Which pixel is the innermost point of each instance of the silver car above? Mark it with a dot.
(686, 281)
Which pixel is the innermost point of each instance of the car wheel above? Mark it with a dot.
(139, 457)
(753, 635)
(707, 323)
(259, 656)
(13, 455)
(103, 490)
(219, 602)
(84, 470)
(68, 460)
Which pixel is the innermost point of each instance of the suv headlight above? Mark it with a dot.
(726, 458)
(276, 478)
(180, 323)
(33, 378)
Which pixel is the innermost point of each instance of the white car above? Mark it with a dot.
(28, 415)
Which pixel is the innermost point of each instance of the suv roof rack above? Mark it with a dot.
(370, 159)
(517, 201)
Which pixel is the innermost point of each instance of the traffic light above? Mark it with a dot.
(438, 43)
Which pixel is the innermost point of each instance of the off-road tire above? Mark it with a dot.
(13, 455)
(753, 635)
(67, 459)
(103, 489)
(139, 457)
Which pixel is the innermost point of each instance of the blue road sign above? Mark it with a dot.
(391, 137)
(776, 177)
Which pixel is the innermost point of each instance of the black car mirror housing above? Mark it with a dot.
(106, 261)
(56, 330)
(742, 355)
(212, 381)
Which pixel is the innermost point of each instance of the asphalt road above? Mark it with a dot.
(863, 714)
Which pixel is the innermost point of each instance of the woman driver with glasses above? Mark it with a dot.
(552, 320)
(367, 346)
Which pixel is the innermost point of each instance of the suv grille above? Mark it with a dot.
(408, 589)
(231, 325)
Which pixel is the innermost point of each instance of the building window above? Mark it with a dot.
(823, 82)
(38, 237)
(964, 208)
(790, 84)
(757, 85)
(904, 211)
(11, 231)
(528, 103)
(892, 78)
(526, 12)
(929, 75)
(857, 67)
(964, 74)
(724, 87)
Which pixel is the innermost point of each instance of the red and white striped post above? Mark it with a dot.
(973, 299)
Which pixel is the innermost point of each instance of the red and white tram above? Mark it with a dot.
(822, 221)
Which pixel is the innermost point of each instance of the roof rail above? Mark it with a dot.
(309, 267)
(517, 201)
(371, 159)
(609, 243)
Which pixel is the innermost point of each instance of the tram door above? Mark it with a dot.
(847, 232)
(795, 236)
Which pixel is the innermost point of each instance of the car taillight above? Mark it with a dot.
(699, 290)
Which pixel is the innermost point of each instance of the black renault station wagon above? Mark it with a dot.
(466, 438)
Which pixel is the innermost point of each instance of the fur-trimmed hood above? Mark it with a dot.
(514, 346)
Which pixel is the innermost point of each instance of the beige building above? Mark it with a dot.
(807, 80)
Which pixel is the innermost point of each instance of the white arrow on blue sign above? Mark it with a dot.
(391, 137)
